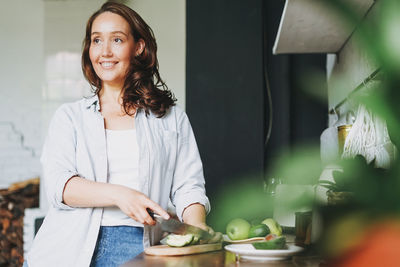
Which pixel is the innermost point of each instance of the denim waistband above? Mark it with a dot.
(117, 245)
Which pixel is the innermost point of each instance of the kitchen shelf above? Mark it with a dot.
(309, 26)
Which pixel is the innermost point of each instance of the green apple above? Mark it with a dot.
(273, 226)
(238, 229)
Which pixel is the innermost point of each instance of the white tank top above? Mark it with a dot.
(123, 163)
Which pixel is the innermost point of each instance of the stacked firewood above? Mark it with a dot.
(13, 202)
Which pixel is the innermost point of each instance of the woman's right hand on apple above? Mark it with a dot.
(135, 204)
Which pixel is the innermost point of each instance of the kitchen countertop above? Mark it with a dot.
(219, 258)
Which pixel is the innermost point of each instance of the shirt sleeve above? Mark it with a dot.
(58, 156)
(188, 185)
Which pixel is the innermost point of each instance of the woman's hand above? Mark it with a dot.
(135, 204)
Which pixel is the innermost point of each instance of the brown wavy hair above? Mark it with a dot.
(143, 87)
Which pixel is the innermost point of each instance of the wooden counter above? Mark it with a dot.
(224, 258)
(217, 258)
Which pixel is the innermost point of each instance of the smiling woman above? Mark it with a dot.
(110, 158)
(123, 37)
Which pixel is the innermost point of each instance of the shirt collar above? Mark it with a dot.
(92, 101)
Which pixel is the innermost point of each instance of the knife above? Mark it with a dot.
(174, 226)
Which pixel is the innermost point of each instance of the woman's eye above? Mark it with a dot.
(118, 40)
(96, 40)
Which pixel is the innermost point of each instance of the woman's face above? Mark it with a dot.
(111, 48)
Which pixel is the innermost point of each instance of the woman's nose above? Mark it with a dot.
(107, 51)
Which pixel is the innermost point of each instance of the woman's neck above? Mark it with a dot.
(111, 94)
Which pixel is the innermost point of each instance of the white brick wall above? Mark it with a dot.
(21, 76)
(17, 161)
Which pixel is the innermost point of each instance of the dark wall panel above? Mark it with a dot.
(298, 117)
(224, 87)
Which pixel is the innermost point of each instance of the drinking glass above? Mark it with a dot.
(270, 185)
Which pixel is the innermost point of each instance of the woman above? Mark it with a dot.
(110, 157)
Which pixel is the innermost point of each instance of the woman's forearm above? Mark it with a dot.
(195, 214)
(82, 193)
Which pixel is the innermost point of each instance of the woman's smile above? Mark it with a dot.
(108, 64)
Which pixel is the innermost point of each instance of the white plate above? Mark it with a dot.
(248, 252)
(242, 241)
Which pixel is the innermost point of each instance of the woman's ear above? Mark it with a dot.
(140, 45)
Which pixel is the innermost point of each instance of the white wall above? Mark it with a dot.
(167, 18)
(41, 46)
(350, 67)
(21, 73)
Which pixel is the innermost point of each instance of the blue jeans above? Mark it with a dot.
(117, 245)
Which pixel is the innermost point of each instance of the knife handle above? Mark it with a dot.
(151, 213)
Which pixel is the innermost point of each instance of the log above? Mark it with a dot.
(13, 203)
(21, 185)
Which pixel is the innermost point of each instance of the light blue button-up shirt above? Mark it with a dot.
(169, 164)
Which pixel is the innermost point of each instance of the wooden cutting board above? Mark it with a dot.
(165, 250)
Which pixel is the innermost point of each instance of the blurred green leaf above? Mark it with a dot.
(246, 200)
(302, 165)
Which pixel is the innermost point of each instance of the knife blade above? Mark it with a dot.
(174, 226)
